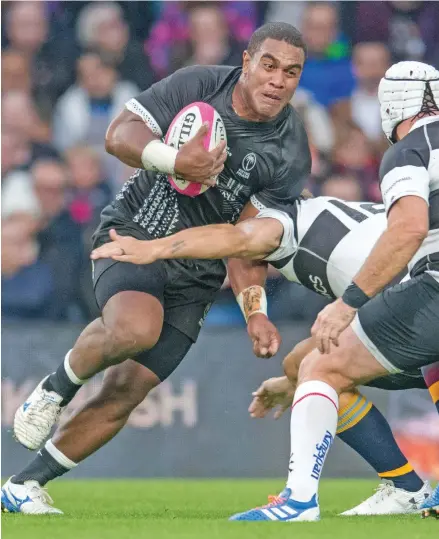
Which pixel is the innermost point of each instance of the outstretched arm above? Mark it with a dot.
(253, 238)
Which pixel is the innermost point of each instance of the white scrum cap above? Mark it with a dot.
(405, 89)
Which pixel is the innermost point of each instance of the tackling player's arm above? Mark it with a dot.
(253, 238)
(405, 189)
(406, 230)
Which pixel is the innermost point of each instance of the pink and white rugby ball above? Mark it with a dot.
(183, 127)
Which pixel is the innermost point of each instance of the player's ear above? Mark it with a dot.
(246, 58)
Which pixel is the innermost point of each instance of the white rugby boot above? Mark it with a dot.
(389, 500)
(30, 498)
(35, 418)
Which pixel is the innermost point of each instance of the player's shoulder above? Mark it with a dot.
(210, 75)
(412, 150)
(290, 122)
(293, 142)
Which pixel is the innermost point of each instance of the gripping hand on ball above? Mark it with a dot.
(195, 164)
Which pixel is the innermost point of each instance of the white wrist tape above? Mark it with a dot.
(159, 157)
(252, 300)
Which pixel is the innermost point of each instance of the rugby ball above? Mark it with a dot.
(183, 127)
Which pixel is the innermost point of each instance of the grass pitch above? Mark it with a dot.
(199, 509)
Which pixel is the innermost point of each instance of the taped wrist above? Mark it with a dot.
(159, 157)
(252, 300)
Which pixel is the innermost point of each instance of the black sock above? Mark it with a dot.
(43, 468)
(59, 382)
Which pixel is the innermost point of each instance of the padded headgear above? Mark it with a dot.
(407, 89)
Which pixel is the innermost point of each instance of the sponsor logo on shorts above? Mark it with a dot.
(319, 455)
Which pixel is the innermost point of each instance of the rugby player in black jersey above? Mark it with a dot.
(151, 315)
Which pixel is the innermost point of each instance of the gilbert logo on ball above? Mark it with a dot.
(183, 127)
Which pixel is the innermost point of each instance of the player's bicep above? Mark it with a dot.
(409, 213)
(135, 107)
(262, 236)
(284, 243)
(159, 104)
(405, 181)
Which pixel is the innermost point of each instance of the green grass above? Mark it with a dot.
(199, 509)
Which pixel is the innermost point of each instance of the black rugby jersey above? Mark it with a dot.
(268, 163)
(270, 160)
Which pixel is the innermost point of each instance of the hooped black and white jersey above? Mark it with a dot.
(326, 241)
(411, 167)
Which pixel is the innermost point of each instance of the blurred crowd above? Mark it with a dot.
(68, 68)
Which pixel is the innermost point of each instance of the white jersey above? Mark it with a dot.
(326, 241)
(411, 168)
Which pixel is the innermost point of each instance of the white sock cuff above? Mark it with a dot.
(58, 456)
(316, 387)
(70, 373)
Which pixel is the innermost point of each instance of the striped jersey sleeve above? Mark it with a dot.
(403, 172)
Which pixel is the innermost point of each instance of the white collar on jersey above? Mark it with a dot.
(424, 121)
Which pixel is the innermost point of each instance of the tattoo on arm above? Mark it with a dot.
(252, 299)
(176, 246)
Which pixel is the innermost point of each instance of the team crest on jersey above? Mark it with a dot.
(247, 165)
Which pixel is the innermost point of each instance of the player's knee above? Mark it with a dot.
(291, 365)
(327, 368)
(127, 338)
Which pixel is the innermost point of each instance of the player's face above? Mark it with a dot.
(271, 76)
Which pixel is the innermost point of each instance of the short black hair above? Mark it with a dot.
(280, 31)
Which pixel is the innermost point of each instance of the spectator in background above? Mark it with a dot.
(209, 41)
(328, 74)
(60, 239)
(172, 29)
(84, 112)
(43, 283)
(27, 32)
(19, 245)
(409, 29)
(15, 72)
(101, 27)
(26, 129)
(88, 191)
(16, 151)
(317, 121)
(370, 63)
(19, 112)
(87, 195)
(354, 156)
(291, 12)
(346, 187)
